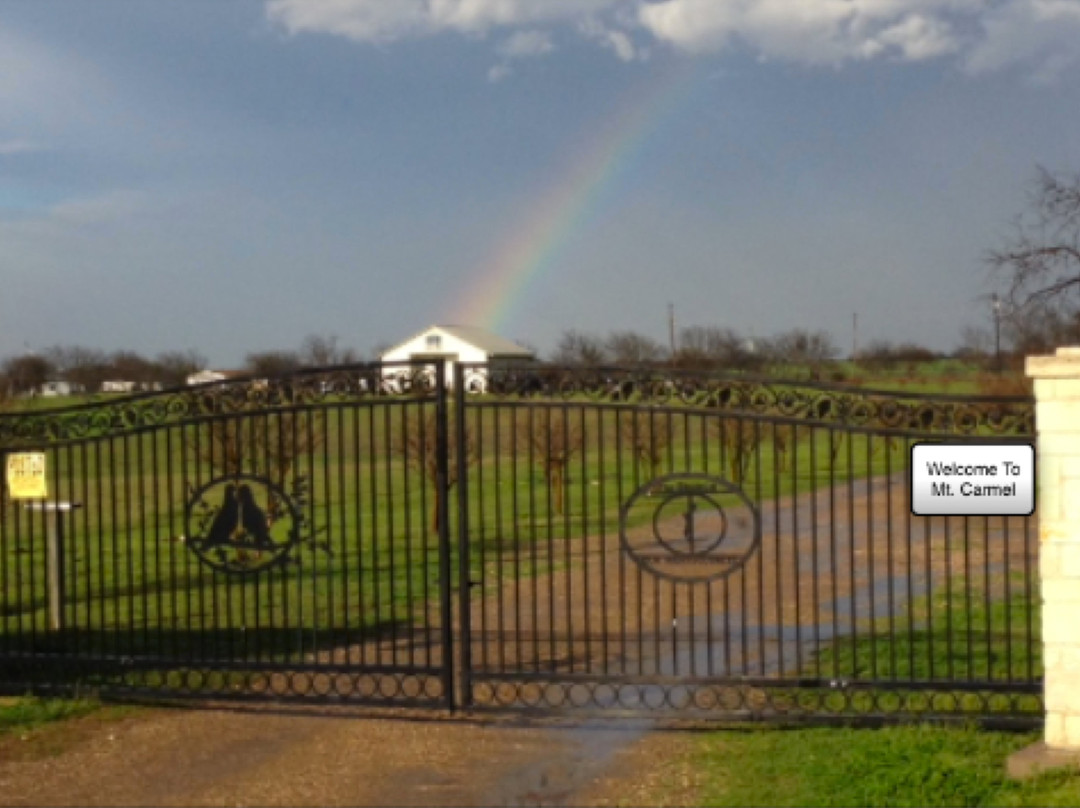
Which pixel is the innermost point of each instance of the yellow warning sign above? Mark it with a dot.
(26, 475)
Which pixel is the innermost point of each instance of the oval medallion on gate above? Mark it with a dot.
(690, 527)
(241, 524)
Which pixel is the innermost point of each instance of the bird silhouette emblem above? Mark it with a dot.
(252, 518)
(221, 529)
(230, 531)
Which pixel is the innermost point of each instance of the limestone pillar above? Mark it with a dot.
(1057, 422)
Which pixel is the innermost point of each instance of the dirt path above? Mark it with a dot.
(830, 562)
(264, 757)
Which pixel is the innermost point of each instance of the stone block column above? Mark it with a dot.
(1057, 422)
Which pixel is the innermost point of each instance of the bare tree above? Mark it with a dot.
(273, 445)
(85, 367)
(631, 348)
(272, 363)
(324, 351)
(800, 346)
(174, 367)
(417, 444)
(26, 374)
(1039, 329)
(1040, 264)
(707, 347)
(700, 348)
(131, 367)
(221, 445)
(739, 439)
(649, 435)
(553, 442)
(577, 348)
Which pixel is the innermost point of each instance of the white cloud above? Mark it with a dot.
(388, 20)
(609, 37)
(499, 72)
(822, 31)
(526, 43)
(984, 35)
(917, 38)
(1045, 33)
(622, 45)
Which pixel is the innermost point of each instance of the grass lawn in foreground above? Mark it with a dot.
(894, 766)
(21, 713)
(911, 765)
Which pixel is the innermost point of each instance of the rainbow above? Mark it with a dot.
(538, 242)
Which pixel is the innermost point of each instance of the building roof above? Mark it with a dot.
(490, 343)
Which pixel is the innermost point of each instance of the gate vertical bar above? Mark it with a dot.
(461, 448)
(442, 495)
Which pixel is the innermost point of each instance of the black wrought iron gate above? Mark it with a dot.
(263, 537)
(521, 538)
(717, 546)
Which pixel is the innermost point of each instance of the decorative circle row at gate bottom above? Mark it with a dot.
(690, 527)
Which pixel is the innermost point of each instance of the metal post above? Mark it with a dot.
(671, 328)
(442, 495)
(997, 331)
(464, 583)
(54, 556)
(55, 553)
(854, 337)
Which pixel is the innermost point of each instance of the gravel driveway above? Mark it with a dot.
(339, 757)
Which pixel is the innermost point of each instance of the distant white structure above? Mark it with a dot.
(450, 344)
(117, 386)
(58, 387)
(205, 376)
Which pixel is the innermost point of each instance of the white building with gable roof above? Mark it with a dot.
(450, 344)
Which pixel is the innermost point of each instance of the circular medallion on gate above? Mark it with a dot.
(241, 524)
(690, 527)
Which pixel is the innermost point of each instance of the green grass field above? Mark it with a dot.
(894, 766)
(956, 633)
(24, 713)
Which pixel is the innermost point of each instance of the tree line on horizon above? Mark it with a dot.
(88, 369)
(698, 348)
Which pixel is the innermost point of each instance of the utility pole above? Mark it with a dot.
(995, 304)
(854, 336)
(671, 327)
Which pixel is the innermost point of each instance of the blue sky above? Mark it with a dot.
(233, 176)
